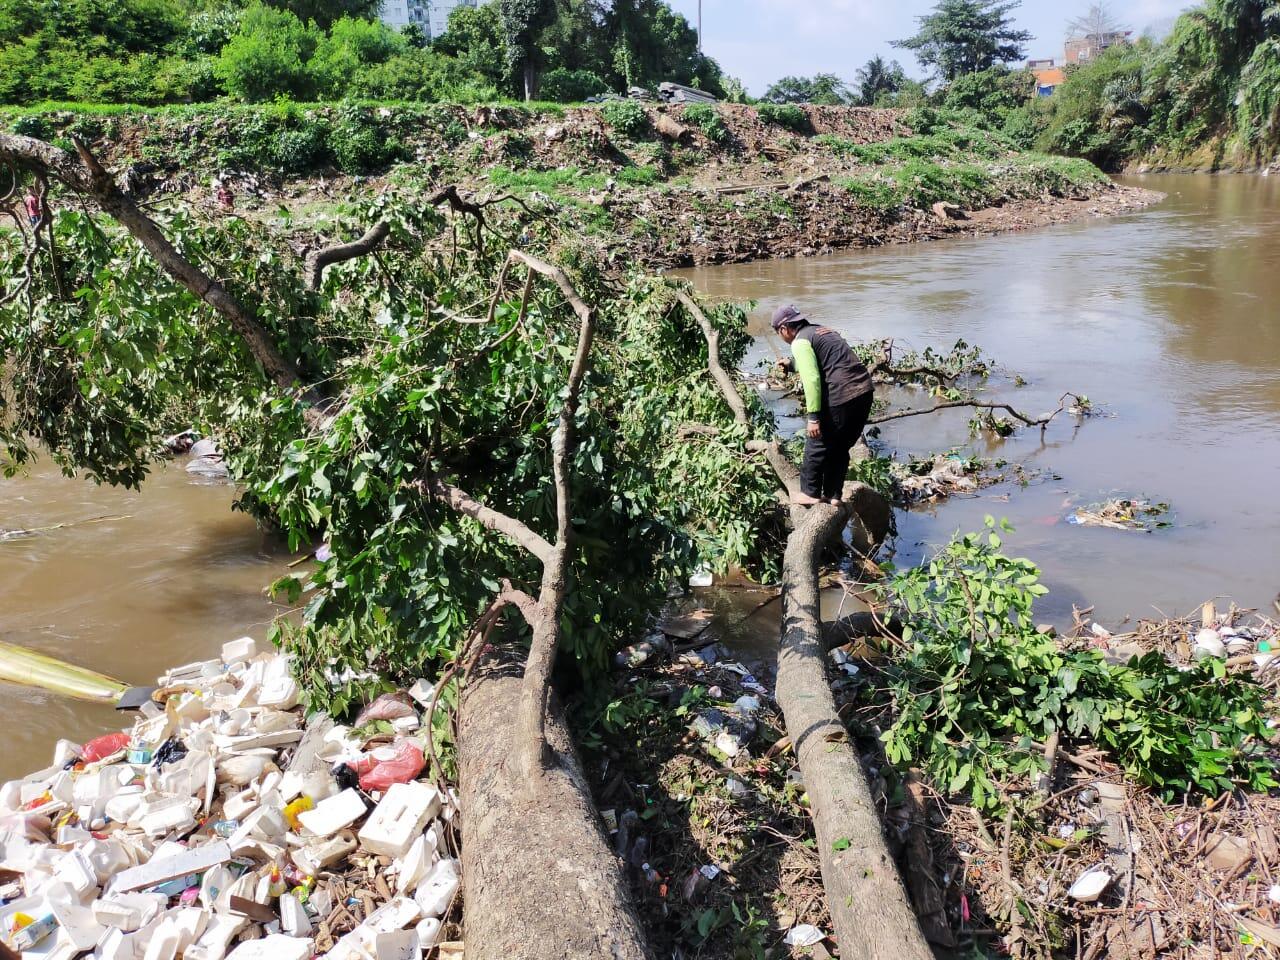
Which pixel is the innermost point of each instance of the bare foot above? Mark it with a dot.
(804, 500)
(834, 501)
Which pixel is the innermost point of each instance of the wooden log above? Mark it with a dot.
(539, 879)
(869, 908)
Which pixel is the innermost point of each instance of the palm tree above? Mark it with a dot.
(878, 77)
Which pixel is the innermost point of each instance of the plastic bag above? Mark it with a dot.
(389, 706)
(101, 747)
(404, 764)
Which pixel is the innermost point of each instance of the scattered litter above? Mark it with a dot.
(1209, 644)
(803, 935)
(1123, 514)
(1089, 886)
(214, 830)
(925, 481)
(654, 645)
(701, 578)
(728, 733)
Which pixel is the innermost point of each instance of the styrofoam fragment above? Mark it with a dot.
(293, 919)
(423, 690)
(428, 930)
(163, 944)
(217, 937)
(79, 924)
(236, 651)
(437, 890)
(397, 945)
(399, 818)
(414, 865)
(168, 867)
(330, 816)
(273, 947)
(73, 869)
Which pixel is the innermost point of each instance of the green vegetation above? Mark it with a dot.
(181, 51)
(706, 118)
(784, 115)
(627, 117)
(966, 36)
(977, 691)
(1206, 95)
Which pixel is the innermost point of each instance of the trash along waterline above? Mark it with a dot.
(225, 824)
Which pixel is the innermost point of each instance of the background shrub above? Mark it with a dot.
(627, 117)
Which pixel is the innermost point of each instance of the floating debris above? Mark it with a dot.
(1123, 514)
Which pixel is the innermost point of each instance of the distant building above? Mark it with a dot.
(1084, 49)
(1048, 77)
(431, 15)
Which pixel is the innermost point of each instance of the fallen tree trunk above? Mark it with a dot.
(533, 861)
(869, 907)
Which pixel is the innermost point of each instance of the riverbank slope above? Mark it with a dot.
(665, 186)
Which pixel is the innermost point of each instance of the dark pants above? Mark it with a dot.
(826, 459)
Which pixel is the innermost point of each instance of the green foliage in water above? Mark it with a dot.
(977, 690)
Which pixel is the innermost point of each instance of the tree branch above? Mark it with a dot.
(511, 528)
(1041, 422)
(318, 260)
(81, 172)
(787, 473)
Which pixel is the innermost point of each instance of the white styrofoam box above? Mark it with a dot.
(191, 923)
(293, 919)
(11, 796)
(331, 815)
(79, 924)
(107, 857)
(212, 885)
(234, 651)
(273, 947)
(238, 806)
(74, 869)
(118, 915)
(279, 689)
(397, 945)
(163, 944)
(124, 805)
(217, 937)
(158, 823)
(69, 836)
(400, 818)
(265, 823)
(318, 854)
(115, 945)
(396, 914)
(64, 751)
(437, 890)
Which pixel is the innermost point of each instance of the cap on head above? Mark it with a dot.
(785, 316)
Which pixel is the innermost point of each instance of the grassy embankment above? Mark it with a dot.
(671, 184)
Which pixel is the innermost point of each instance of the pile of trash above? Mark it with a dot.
(1122, 513)
(937, 479)
(223, 824)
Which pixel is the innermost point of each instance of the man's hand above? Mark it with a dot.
(815, 431)
(786, 366)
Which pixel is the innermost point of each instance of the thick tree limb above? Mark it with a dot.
(869, 908)
(82, 173)
(511, 528)
(318, 260)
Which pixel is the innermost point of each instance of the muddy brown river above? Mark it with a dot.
(1166, 319)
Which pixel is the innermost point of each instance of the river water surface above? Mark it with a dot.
(1166, 319)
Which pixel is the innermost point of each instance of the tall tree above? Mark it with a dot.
(823, 88)
(327, 12)
(522, 20)
(1098, 21)
(878, 77)
(965, 36)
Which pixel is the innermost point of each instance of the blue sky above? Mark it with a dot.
(759, 41)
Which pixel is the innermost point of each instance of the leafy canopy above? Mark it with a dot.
(965, 36)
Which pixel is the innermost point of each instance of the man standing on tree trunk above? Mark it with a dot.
(837, 400)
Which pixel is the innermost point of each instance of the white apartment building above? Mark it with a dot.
(431, 15)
